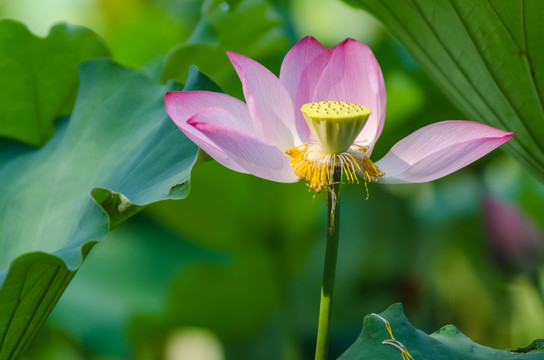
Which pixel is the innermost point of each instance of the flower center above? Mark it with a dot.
(335, 126)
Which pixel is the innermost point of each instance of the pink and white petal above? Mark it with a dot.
(210, 114)
(439, 149)
(241, 151)
(300, 72)
(182, 105)
(354, 75)
(269, 103)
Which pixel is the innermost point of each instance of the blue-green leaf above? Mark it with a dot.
(404, 341)
(118, 150)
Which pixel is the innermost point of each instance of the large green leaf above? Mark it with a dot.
(448, 343)
(487, 56)
(120, 147)
(39, 77)
(218, 30)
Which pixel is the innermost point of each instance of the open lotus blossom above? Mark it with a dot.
(323, 114)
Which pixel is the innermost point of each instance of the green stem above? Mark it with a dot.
(329, 269)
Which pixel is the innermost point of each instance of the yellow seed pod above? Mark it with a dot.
(335, 124)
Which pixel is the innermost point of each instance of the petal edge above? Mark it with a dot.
(300, 71)
(269, 103)
(438, 150)
(242, 151)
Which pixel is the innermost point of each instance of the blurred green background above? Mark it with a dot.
(234, 270)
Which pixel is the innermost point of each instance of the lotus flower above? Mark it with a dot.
(323, 114)
(515, 241)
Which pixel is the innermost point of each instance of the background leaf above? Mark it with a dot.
(486, 56)
(155, 26)
(39, 77)
(262, 38)
(446, 343)
(117, 138)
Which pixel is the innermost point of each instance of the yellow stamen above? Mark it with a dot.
(317, 167)
(335, 125)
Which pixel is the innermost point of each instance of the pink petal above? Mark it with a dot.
(300, 72)
(354, 75)
(268, 102)
(239, 150)
(439, 149)
(182, 105)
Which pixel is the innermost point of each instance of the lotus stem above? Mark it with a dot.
(329, 269)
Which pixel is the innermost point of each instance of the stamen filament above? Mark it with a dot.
(394, 342)
(318, 168)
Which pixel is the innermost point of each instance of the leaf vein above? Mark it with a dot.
(497, 83)
(470, 82)
(19, 341)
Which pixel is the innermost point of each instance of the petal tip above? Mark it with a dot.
(351, 42)
(503, 135)
(168, 95)
(233, 56)
(308, 38)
